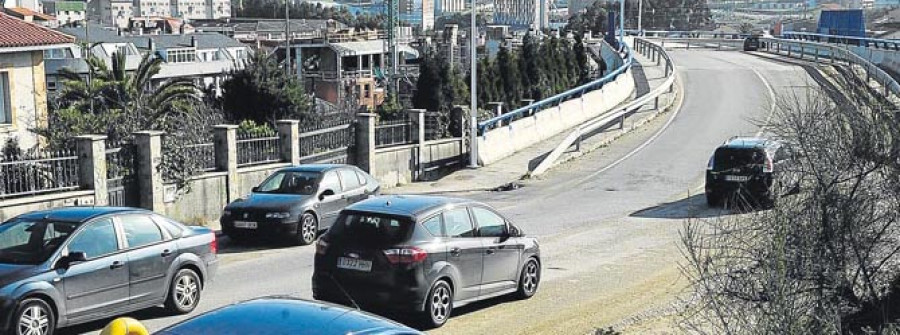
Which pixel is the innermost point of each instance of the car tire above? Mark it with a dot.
(307, 229)
(529, 279)
(713, 200)
(438, 305)
(184, 292)
(43, 320)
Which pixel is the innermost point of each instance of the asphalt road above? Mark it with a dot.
(608, 221)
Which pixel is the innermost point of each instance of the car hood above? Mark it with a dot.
(10, 273)
(269, 201)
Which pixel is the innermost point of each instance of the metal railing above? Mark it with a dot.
(647, 48)
(38, 173)
(559, 98)
(397, 132)
(328, 141)
(437, 126)
(205, 153)
(253, 150)
(878, 43)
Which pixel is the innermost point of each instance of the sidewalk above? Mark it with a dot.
(506, 172)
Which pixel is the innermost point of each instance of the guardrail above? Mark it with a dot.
(647, 48)
(878, 43)
(686, 34)
(495, 122)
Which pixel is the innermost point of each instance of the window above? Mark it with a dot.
(5, 106)
(57, 53)
(362, 178)
(175, 229)
(330, 182)
(96, 240)
(140, 230)
(181, 56)
(489, 223)
(434, 225)
(458, 224)
(371, 229)
(124, 50)
(349, 179)
(31, 242)
(290, 182)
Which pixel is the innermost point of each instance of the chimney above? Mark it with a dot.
(194, 41)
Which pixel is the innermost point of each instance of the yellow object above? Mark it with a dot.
(125, 326)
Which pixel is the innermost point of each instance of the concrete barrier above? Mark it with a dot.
(504, 141)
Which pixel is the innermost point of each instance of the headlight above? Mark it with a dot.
(226, 213)
(278, 215)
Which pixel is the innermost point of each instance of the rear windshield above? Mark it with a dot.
(371, 229)
(730, 158)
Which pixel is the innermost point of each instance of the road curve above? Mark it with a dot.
(607, 236)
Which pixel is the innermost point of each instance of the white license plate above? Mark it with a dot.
(737, 178)
(245, 225)
(354, 264)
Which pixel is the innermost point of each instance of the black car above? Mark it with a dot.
(751, 43)
(423, 254)
(71, 265)
(745, 169)
(297, 202)
(285, 315)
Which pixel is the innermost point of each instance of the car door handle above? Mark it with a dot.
(116, 265)
(166, 253)
(455, 252)
(490, 251)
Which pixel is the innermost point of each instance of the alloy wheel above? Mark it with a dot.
(186, 292)
(440, 303)
(308, 228)
(531, 277)
(35, 320)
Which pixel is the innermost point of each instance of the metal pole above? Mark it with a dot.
(287, 40)
(622, 22)
(473, 109)
(640, 15)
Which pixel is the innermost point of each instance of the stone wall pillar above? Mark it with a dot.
(92, 166)
(418, 118)
(365, 142)
(225, 142)
(150, 181)
(289, 134)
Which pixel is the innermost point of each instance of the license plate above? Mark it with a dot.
(737, 178)
(354, 264)
(245, 225)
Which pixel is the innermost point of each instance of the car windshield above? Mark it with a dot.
(32, 242)
(290, 182)
(371, 229)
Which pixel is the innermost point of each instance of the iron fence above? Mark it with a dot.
(437, 126)
(38, 173)
(397, 132)
(258, 149)
(329, 141)
(120, 173)
(205, 154)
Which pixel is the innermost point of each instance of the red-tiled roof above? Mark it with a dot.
(22, 12)
(18, 33)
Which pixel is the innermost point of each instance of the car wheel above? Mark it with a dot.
(184, 293)
(33, 317)
(713, 200)
(439, 305)
(529, 279)
(307, 229)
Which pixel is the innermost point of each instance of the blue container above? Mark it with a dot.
(845, 22)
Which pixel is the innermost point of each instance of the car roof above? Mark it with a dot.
(747, 143)
(407, 205)
(286, 315)
(314, 167)
(77, 213)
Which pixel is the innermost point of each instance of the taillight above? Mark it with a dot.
(769, 167)
(407, 255)
(214, 245)
(321, 247)
(709, 166)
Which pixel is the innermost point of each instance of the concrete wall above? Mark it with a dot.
(888, 59)
(520, 134)
(28, 95)
(399, 164)
(13, 207)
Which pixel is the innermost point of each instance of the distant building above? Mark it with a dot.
(29, 15)
(23, 90)
(534, 14)
(268, 32)
(157, 26)
(418, 13)
(66, 12)
(119, 12)
(34, 5)
(445, 7)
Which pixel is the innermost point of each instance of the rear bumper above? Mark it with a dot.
(368, 296)
(757, 186)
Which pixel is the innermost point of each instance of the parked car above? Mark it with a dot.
(297, 202)
(286, 315)
(71, 265)
(423, 254)
(746, 169)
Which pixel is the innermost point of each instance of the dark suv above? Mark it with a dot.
(745, 168)
(423, 254)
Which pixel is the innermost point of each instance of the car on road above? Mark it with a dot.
(751, 43)
(423, 254)
(286, 315)
(746, 170)
(297, 202)
(71, 265)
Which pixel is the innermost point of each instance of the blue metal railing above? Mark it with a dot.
(877, 43)
(559, 98)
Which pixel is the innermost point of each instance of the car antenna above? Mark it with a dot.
(344, 292)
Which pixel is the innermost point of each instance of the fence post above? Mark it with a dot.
(365, 142)
(91, 151)
(225, 144)
(149, 157)
(289, 134)
(418, 118)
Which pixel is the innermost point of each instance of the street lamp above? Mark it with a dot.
(473, 108)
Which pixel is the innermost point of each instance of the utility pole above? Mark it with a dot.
(640, 15)
(622, 22)
(287, 40)
(473, 109)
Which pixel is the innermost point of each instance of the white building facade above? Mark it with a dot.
(534, 14)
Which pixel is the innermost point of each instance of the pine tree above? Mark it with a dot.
(581, 59)
(428, 93)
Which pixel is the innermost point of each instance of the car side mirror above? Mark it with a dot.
(72, 258)
(325, 193)
(254, 189)
(514, 231)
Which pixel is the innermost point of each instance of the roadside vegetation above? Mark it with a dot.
(823, 261)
